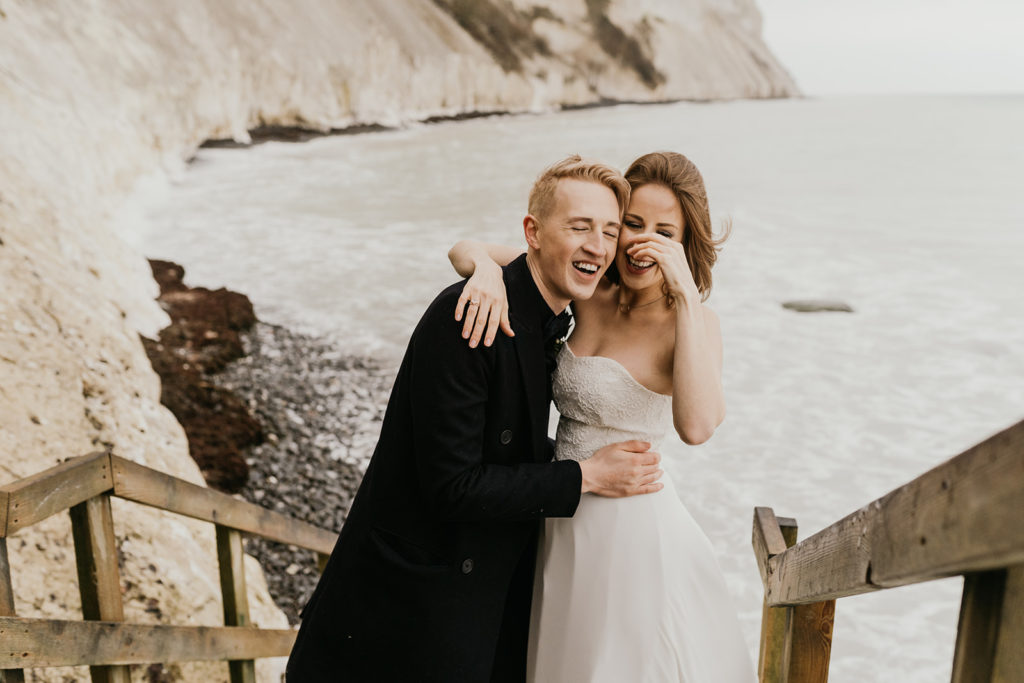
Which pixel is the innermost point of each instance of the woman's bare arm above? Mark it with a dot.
(698, 401)
(467, 255)
(483, 305)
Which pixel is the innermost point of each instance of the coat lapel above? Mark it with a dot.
(526, 309)
(530, 349)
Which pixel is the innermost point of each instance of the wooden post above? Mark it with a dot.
(982, 612)
(1009, 662)
(810, 642)
(770, 539)
(236, 601)
(7, 608)
(99, 584)
(796, 642)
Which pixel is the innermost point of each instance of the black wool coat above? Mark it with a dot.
(430, 578)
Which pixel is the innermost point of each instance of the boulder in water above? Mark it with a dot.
(817, 306)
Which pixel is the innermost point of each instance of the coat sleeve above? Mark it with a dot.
(450, 387)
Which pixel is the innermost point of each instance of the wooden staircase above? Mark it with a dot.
(103, 641)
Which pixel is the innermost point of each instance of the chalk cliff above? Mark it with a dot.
(95, 94)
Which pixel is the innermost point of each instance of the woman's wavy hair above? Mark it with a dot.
(681, 176)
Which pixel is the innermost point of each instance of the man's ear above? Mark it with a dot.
(530, 229)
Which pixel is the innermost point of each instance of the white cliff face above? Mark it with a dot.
(95, 94)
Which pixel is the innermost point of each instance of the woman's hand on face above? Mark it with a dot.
(671, 259)
(483, 307)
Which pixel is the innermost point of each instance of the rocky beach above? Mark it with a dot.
(321, 412)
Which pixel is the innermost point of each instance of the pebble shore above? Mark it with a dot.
(321, 411)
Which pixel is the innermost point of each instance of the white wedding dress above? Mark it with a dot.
(628, 590)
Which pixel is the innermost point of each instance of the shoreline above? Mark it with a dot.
(299, 133)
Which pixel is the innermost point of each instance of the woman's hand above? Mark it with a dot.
(671, 259)
(484, 305)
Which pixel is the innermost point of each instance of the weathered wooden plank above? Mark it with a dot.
(7, 607)
(1009, 661)
(4, 499)
(29, 643)
(92, 528)
(832, 563)
(767, 539)
(232, 576)
(810, 642)
(6, 585)
(236, 601)
(960, 517)
(150, 487)
(35, 498)
(787, 523)
(774, 653)
(12, 676)
(980, 614)
(796, 642)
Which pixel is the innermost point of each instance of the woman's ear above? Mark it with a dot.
(530, 229)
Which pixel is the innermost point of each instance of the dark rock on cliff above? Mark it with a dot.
(203, 337)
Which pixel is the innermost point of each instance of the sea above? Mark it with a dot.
(906, 208)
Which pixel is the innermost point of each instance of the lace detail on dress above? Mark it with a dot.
(601, 403)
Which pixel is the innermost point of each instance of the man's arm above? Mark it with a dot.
(450, 386)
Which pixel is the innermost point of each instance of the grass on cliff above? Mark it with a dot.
(507, 33)
(621, 46)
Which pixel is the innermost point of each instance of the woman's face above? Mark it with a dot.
(653, 209)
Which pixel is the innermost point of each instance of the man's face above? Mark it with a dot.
(575, 242)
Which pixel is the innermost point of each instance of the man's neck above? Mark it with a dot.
(556, 304)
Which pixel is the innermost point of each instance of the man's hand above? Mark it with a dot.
(622, 469)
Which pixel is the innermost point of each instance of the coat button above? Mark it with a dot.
(467, 566)
(506, 437)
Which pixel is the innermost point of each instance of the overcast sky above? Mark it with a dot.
(892, 46)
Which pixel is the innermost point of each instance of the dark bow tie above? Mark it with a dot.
(555, 331)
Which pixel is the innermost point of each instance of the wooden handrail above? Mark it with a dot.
(963, 517)
(156, 489)
(59, 488)
(84, 486)
(33, 499)
(37, 643)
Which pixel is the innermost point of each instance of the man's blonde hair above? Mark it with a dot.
(542, 196)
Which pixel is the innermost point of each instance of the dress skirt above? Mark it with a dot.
(628, 590)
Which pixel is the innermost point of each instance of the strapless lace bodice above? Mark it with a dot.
(601, 403)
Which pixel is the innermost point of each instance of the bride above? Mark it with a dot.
(628, 589)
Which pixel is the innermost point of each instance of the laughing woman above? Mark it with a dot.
(628, 588)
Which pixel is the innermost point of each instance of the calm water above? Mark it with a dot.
(906, 208)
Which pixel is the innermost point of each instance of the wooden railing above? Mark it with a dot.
(103, 641)
(965, 517)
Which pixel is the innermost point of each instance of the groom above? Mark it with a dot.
(432, 574)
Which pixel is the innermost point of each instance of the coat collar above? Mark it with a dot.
(531, 311)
